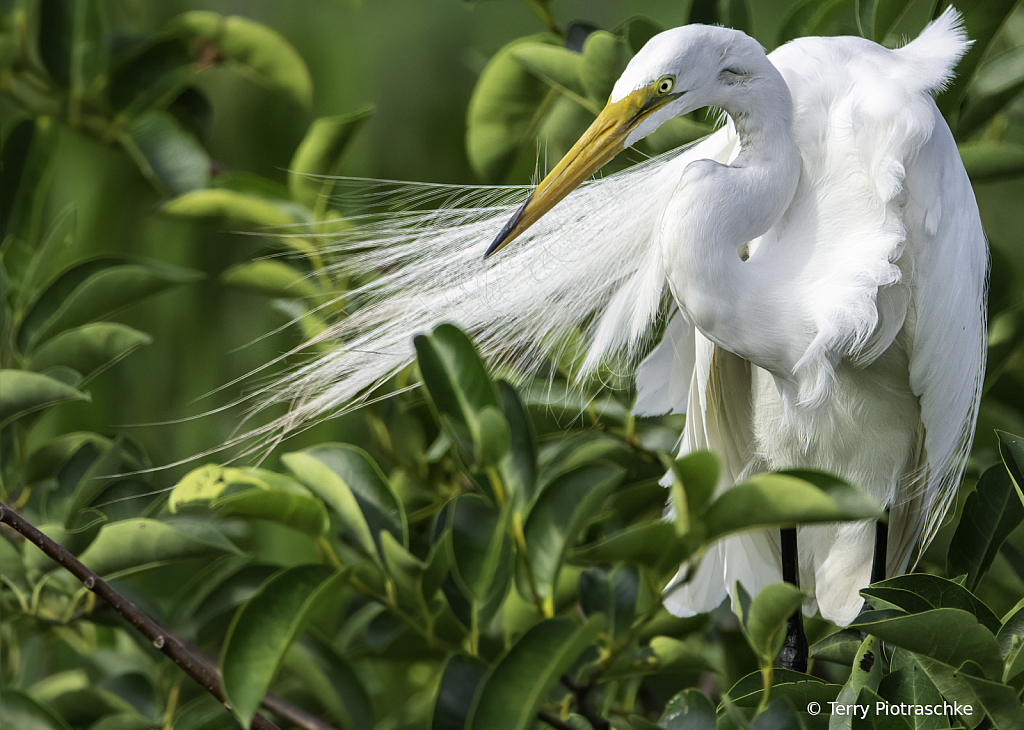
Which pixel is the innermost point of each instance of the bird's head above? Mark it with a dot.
(676, 72)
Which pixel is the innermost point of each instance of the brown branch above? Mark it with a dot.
(161, 639)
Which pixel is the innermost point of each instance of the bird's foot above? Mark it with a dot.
(794, 647)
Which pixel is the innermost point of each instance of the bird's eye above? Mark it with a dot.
(665, 85)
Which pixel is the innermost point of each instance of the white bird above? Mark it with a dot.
(823, 262)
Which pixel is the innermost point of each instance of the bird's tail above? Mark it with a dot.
(937, 50)
(589, 267)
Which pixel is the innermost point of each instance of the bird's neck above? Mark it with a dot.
(736, 204)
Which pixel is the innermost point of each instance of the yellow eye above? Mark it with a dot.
(664, 84)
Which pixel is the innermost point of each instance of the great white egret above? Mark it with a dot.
(826, 265)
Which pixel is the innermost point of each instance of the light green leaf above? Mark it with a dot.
(764, 618)
(260, 50)
(89, 349)
(23, 392)
(519, 683)
(273, 278)
(319, 155)
(505, 111)
(238, 209)
(264, 628)
(19, 711)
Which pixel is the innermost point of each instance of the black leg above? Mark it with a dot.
(881, 550)
(794, 648)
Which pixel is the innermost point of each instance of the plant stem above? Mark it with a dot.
(161, 639)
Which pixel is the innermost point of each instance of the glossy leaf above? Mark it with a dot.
(334, 681)
(459, 682)
(138, 543)
(59, 235)
(1011, 641)
(1011, 449)
(999, 80)
(800, 688)
(908, 682)
(612, 594)
(93, 289)
(480, 552)
(998, 701)
(877, 17)
(89, 349)
(19, 711)
(948, 635)
(23, 392)
(261, 50)
(505, 110)
(518, 468)
(916, 592)
(264, 628)
(318, 155)
(763, 618)
(166, 153)
(520, 682)
(558, 516)
(809, 17)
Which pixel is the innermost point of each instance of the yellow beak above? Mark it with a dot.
(604, 139)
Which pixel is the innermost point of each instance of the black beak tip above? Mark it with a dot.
(506, 231)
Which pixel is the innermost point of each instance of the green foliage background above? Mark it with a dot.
(468, 552)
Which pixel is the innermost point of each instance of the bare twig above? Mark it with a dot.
(161, 639)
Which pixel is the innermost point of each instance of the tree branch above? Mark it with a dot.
(161, 639)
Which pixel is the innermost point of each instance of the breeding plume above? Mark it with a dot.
(820, 262)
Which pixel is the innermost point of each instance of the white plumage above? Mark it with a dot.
(826, 266)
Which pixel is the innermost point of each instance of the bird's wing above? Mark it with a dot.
(590, 266)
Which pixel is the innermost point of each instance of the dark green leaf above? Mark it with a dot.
(89, 349)
(556, 519)
(980, 696)
(518, 468)
(264, 628)
(877, 17)
(1011, 641)
(1011, 449)
(92, 289)
(260, 50)
(521, 680)
(58, 236)
(334, 681)
(916, 592)
(840, 647)
(319, 155)
(166, 153)
(56, 31)
(139, 543)
(809, 17)
(459, 681)
(998, 82)
(150, 75)
(688, 710)
(779, 715)
(505, 111)
(948, 635)
(23, 392)
(480, 552)
(909, 683)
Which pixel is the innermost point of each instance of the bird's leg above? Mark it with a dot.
(881, 554)
(794, 648)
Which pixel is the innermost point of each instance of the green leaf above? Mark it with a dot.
(319, 155)
(505, 110)
(654, 544)
(840, 647)
(93, 289)
(273, 278)
(986, 161)
(519, 683)
(265, 626)
(465, 397)
(998, 81)
(238, 209)
(809, 17)
(58, 236)
(1011, 641)
(908, 683)
(801, 689)
(21, 168)
(556, 519)
(19, 711)
(688, 710)
(787, 499)
(480, 551)
(333, 680)
(917, 592)
(876, 18)
(56, 30)
(1011, 450)
(150, 75)
(764, 618)
(518, 468)
(351, 484)
(949, 635)
(166, 153)
(779, 715)
(258, 49)
(139, 543)
(999, 701)
(252, 492)
(694, 480)
(89, 349)
(23, 392)
(455, 693)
